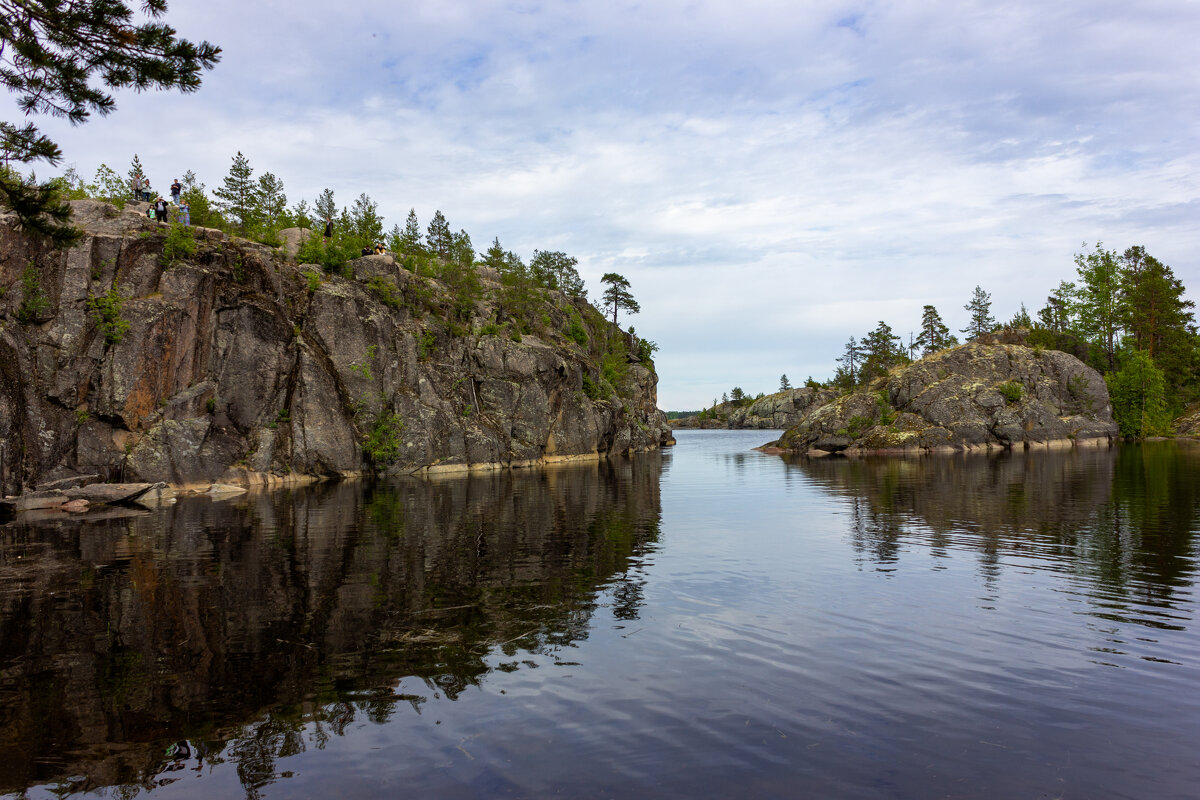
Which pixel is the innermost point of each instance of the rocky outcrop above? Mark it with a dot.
(977, 396)
(231, 364)
(771, 412)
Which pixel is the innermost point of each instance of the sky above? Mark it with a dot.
(771, 177)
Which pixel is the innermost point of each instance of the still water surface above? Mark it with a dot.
(707, 621)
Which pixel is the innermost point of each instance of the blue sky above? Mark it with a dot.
(771, 177)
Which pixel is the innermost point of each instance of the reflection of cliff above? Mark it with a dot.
(1126, 515)
(232, 624)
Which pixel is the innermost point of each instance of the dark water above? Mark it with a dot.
(705, 622)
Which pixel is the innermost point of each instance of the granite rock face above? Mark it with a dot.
(976, 396)
(238, 366)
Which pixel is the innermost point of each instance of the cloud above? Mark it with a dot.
(771, 177)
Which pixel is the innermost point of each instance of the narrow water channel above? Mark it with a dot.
(708, 621)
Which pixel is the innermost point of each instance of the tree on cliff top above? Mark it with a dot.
(980, 308)
(49, 51)
(617, 295)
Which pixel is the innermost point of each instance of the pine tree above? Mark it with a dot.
(438, 235)
(1058, 315)
(1157, 317)
(365, 224)
(49, 52)
(554, 269)
(784, 385)
(237, 197)
(326, 207)
(617, 295)
(410, 240)
(394, 239)
(461, 249)
(850, 359)
(272, 202)
(980, 309)
(882, 350)
(135, 169)
(494, 257)
(934, 334)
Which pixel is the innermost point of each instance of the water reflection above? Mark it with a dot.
(1119, 521)
(245, 631)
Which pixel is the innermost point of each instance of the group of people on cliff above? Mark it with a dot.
(160, 209)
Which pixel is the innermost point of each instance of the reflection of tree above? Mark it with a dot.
(1124, 517)
(250, 631)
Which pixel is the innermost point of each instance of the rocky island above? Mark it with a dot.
(140, 356)
(975, 396)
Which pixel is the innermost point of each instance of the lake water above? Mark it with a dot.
(707, 621)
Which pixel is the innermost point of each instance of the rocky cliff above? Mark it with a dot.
(976, 396)
(128, 358)
(774, 411)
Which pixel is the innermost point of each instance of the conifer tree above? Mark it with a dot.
(934, 334)
(494, 257)
(980, 309)
(850, 359)
(365, 224)
(326, 207)
(237, 197)
(461, 250)
(617, 295)
(439, 237)
(49, 53)
(784, 385)
(272, 202)
(1058, 315)
(554, 269)
(1157, 317)
(135, 169)
(410, 240)
(882, 349)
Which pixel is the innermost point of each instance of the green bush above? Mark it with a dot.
(33, 301)
(385, 291)
(382, 444)
(106, 311)
(180, 244)
(1011, 391)
(590, 388)
(576, 332)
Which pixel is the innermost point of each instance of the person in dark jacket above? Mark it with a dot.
(176, 188)
(160, 209)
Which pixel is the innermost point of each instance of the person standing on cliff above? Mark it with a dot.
(185, 213)
(176, 188)
(160, 209)
(328, 230)
(137, 186)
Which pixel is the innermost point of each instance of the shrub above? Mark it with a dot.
(106, 311)
(180, 243)
(590, 388)
(382, 444)
(576, 332)
(385, 291)
(33, 302)
(1011, 391)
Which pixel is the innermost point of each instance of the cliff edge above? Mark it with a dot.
(130, 360)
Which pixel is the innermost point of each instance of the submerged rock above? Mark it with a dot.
(976, 396)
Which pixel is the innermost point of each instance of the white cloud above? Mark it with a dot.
(772, 177)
